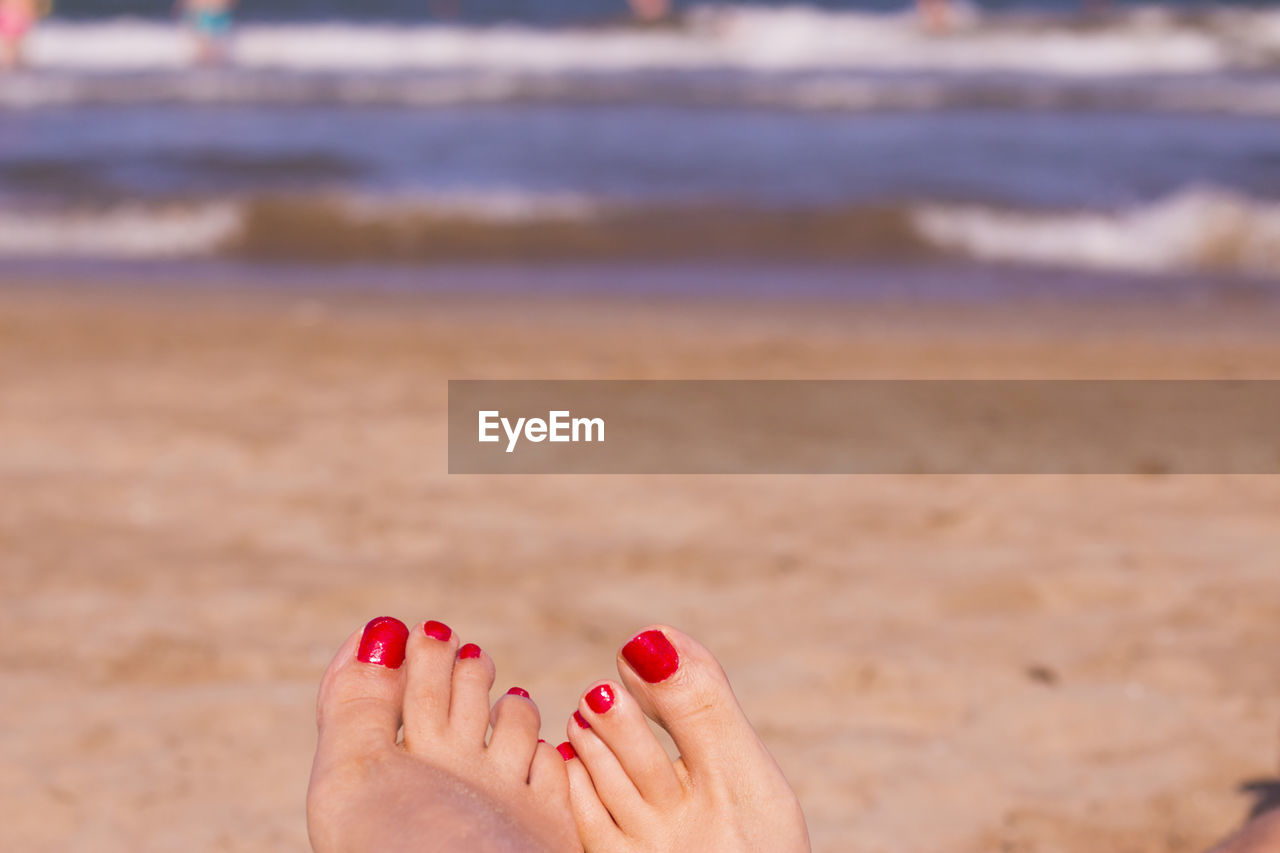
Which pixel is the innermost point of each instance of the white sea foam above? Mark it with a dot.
(132, 231)
(793, 38)
(1196, 230)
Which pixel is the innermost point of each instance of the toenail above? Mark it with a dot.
(518, 691)
(600, 698)
(581, 720)
(567, 751)
(437, 630)
(470, 650)
(652, 656)
(383, 642)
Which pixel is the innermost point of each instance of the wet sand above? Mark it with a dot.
(204, 493)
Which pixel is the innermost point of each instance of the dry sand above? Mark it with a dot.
(202, 495)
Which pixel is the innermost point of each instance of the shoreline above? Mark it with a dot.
(921, 285)
(1154, 324)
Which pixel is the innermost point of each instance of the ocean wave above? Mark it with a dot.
(1199, 230)
(786, 39)
(1256, 95)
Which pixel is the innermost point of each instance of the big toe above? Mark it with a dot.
(682, 686)
(362, 691)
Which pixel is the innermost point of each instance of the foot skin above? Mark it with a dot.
(1262, 835)
(725, 794)
(442, 788)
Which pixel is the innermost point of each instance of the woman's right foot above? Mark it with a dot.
(725, 794)
(1261, 835)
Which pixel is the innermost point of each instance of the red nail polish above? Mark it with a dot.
(540, 740)
(581, 720)
(470, 650)
(437, 631)
(652, 656)
(383, 642)
(518, 691)
(567, 751)
(600, 698)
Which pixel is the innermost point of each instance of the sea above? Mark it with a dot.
(1076, 146)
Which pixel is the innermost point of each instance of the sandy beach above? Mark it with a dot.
(204, 492)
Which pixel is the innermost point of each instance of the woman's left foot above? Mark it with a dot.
(443, 789)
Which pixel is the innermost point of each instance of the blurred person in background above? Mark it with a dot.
(17, 17)
(650, 10)
(210, 22)
(935, 14)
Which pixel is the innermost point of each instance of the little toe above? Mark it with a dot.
(681, 685)
(617, 720)
(473, 673)
(430, 654)
(362, 691)
(515, 734)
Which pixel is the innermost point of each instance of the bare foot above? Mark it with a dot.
(724, 794)
(442, 788)
(1262, 835)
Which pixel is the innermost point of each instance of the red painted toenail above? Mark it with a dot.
(470, 650)
(383, 642)
(581, 720)
(567, 751)
(652, 656)
(600, 698)
(437, 630)
(518, 691)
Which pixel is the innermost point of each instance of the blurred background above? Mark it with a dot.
(243, 247)
(1113, 138)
